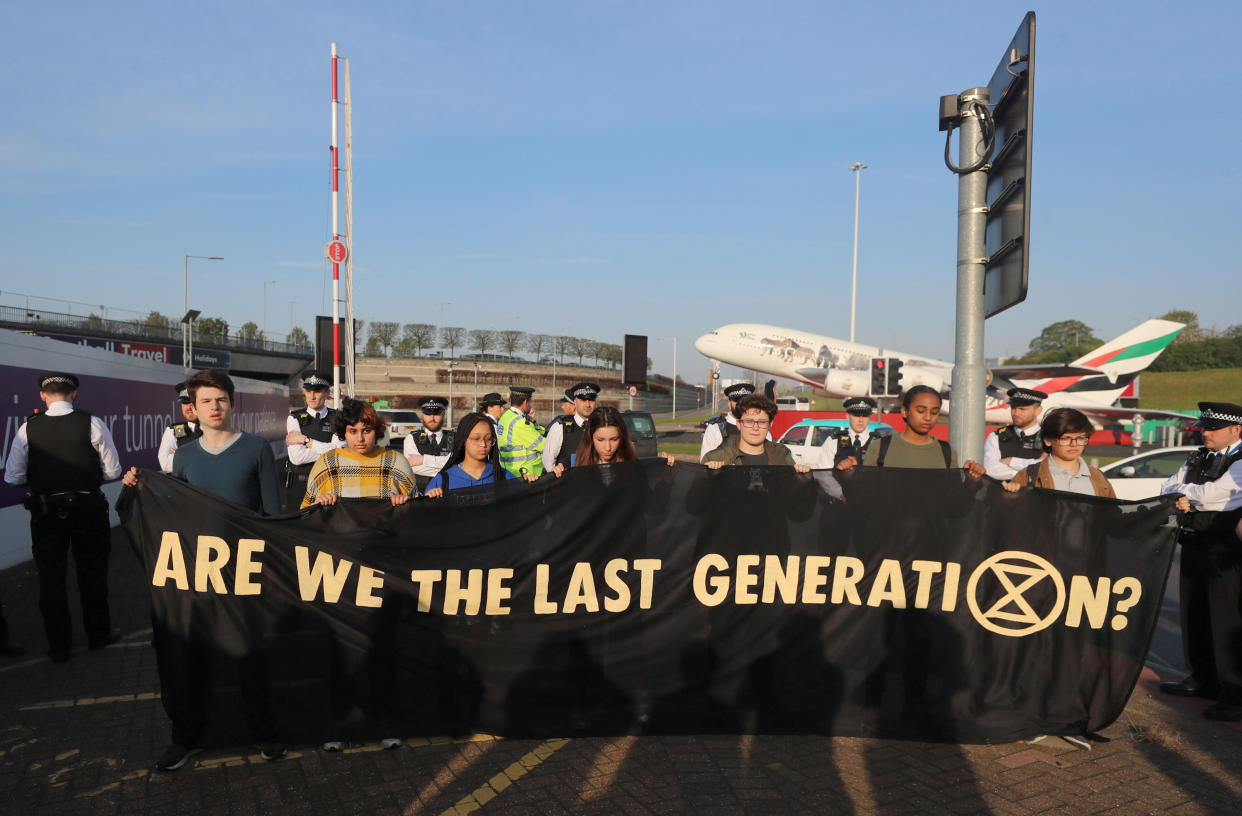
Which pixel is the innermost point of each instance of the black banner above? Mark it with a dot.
(638, 598)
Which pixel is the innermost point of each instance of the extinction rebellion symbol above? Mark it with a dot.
(1029, 593)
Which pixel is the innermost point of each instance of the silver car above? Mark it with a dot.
(1140, 477)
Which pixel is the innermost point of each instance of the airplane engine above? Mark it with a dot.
(847, 382)
(936, 378)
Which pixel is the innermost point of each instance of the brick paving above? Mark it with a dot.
(81, 737)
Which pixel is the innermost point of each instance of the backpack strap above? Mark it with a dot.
(947, 450)
(884, 443)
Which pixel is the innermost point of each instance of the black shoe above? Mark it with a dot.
(174, 757)
(272, 751)
(59, 655)
(11, 648)
(1188, 687)
(1224, 712)
(114, 634)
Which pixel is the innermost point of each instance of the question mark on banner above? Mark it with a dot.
(1133, 591)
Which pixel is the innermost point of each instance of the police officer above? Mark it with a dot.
(431, 446)
(720, 428)
(64, 455)
(179, 433)
(520, 441)
(1018, 445)
(309, 436)
(567, 403)
(853, 441)
(1211, 572)
(565, 432)
(493, 405)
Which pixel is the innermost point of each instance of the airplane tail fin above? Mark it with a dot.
(1121, 359)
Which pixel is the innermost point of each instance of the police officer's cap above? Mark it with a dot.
(492, 399)
(1217, 415)
(315, 380)
(183, 393)
(568, 396)
(432, 405)
(54, 378)
(738, 390)
(584, 391)
(517, 392)
(1019, 397)
(859, 406)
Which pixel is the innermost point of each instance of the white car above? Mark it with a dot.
(401, 423)
(805, 438)
(1140, 477)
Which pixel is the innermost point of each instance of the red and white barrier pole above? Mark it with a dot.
(336, 235)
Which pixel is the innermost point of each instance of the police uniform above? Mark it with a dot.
(63, 456)
(178, 433)
(521, 441)
(489, 401)
(433, 446)
(1022, 447)
(1211, 568)
(843, 443)
(565, 432)
(318, 428)
(719, 428)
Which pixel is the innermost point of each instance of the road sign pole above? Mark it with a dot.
(966, 417)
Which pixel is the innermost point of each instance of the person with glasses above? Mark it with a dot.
(1017, 445)
(1065, 433)
(719, 428)
(750, 444)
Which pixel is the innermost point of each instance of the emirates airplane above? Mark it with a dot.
(839, 368)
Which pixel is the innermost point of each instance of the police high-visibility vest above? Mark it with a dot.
(521, 444)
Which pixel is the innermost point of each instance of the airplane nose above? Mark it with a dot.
(705, 344)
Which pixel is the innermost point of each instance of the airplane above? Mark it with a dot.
(839, 368)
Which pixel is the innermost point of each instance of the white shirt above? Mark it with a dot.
(1223, 494)
(307, 454)
(432, 463)
(828, 451)
(1079, 482)
(992, 459)
(101, 441)
(556, 435)
(168, 447)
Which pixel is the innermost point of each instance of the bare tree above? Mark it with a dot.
(561, 345)
(536, 343)
(579, 346)
(510, 340)
(451, 337)
(612, 354)
(482, 339)
(419, 335)
(385, 331)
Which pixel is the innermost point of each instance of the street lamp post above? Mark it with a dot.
(452, 365)
(857, 167)
(186, 342)
(674, 339)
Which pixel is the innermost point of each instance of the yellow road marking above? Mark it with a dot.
(138, 774)
(606, 767)
(85, 701)
(455, 766)
(490, 789)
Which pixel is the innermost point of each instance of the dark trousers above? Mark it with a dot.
(85, 533)
(1211, 606)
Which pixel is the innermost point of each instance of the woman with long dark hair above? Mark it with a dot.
(606, 439)
(474, 460)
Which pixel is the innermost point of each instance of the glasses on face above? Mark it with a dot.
(1077, 441)
(479, 440)
(754, 423)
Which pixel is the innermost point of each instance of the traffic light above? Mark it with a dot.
(894, 376)
(879, 377)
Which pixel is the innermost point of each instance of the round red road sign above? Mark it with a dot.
(633, 390)
(335, 251)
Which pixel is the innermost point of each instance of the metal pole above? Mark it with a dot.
(185, 308)
(857, 167)
(452, 365)
(476, 384)
(966, 419)
(336, 236)
(674, 339)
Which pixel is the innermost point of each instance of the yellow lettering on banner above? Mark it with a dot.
(247, 549)
(581, 591)
(647, 568)
(1084, 598)
(813, 578)
(612, 577)
(209, 562)
(542, 605)
(170, 563)
(426, 580)
(325, 574)
(888, 585)
(745, 580)
(369, 580)
(783, 577)
(719, 583)
(455, 593)
(952, 577)
(922, 591)
(497, 591)
(845, 580)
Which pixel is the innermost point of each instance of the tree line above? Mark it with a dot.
(1194, 349)
(390, 338)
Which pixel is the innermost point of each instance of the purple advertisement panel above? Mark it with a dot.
(203, 358)
(135, 411)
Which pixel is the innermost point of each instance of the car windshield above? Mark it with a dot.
(639, 424)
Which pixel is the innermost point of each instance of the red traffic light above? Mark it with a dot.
(879, 363)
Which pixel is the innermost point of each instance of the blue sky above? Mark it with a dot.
(598, 168)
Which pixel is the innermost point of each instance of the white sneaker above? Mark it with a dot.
(335, 746)
(390, 742)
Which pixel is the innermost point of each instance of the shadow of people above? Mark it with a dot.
(693, 708)
(565, 692)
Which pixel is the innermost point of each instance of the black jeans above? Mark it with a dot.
(84, 533)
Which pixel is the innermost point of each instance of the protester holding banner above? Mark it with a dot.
(1065, 432)
(1210, 484)
(753, 414)
(720, 428)
(915, 447)
(606, 439)
(474, 460)
(179, 433)
(361, 469)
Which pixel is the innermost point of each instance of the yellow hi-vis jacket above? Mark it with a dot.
(520, 443)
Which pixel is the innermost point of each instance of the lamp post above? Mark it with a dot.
(674, 339)
(186, 342)
(452, 365)
(476, 383)
(265, 283)
(857, 167)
